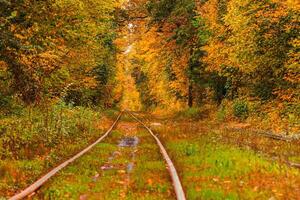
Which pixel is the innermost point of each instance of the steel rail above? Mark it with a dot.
(32, 188)
(172, 170)
(266, 134)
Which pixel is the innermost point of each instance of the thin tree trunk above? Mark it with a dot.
(190, 95)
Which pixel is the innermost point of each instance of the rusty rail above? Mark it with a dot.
(268, 134)
(172, 170)
(32, 188)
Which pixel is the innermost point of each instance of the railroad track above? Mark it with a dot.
(172, 170)
(170, 166)
(269, 134)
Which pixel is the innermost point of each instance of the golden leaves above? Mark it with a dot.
(3, 66)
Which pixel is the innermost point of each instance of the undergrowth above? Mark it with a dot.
(37, 138)
(36, 129)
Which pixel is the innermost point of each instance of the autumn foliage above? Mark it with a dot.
(154, 55)
(222, 53)
(56, 49)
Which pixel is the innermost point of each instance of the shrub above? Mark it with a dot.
(240, 109)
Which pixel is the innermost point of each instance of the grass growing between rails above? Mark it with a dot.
(111, 171)
(37, 139)
(211, 168)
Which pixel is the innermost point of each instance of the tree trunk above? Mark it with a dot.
(190, 95)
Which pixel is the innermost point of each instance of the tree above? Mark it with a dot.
(54, 47)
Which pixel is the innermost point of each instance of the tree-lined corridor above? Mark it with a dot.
(212, 84)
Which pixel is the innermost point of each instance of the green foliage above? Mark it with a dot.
(264, 90)
(240, 109)
(189, 34)
(5, 102)
(204, 33)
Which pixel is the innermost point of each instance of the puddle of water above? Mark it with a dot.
(125, 168)
(129, 142)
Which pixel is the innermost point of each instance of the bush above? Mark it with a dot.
(240, 109)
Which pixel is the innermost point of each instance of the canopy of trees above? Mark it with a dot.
(151, 54)
(196, 52)
(57, 49)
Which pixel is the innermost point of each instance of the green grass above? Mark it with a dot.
(149, 179)
(75, 179)
(212, 170)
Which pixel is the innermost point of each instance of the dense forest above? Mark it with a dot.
(63, 63)
(49, 54)
(240, 57)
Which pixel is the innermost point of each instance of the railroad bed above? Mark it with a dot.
(128, 161)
